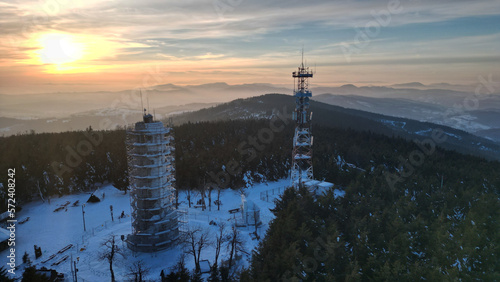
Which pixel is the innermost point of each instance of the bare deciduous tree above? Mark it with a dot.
(110, 252)
(188, 197)
(196, 240)
(235, 244)
(210, 198)
(202, 192)
(138, 270)
(218, 199)
(219, 241)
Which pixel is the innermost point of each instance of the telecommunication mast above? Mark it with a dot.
(302, 167)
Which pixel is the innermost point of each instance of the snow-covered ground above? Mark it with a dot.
(52, 231)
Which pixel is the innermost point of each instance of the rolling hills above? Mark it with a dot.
(335, 116)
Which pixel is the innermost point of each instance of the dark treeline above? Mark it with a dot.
(439, 222)
(207, 150)
(54, 164)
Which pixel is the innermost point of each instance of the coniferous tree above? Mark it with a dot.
(4, 275)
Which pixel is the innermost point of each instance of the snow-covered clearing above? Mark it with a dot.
(53, 231)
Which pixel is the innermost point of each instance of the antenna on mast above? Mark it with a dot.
(147, 98)
(302, 55)
(142, 105)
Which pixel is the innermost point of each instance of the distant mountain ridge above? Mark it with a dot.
(58, 104)
(483, 122)
(55, 112)
(62, 105)
(101, 119)
(329, 115)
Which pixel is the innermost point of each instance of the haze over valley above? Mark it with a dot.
(455, 106)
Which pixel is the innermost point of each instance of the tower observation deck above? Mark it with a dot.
(302, 168)
(150, 152)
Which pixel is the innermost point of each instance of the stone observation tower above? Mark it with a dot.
(302, 167)
(150, 151)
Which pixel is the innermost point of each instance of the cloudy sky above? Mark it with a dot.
(87, 45)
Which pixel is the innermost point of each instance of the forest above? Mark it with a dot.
(438, 222)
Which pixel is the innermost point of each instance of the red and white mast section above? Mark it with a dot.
(302, 167)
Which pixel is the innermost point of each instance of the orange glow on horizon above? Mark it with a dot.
(63, 53)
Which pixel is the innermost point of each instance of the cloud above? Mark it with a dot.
(253, 36)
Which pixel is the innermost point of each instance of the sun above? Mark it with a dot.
(70, 53)
(59, 49)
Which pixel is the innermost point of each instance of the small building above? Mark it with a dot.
(204, 266)
(250, 213)
(317, 187)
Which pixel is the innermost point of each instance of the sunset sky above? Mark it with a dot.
(66, 45)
